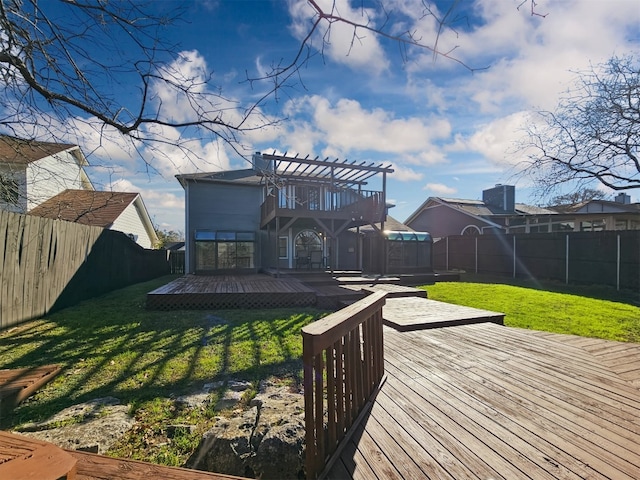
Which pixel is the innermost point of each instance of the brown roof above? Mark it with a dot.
(15, 150)
(88, 207)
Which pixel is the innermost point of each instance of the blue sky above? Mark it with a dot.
(446, 130)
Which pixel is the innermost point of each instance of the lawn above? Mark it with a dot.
(113, 346)
(584, 311)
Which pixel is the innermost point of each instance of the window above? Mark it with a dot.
(224, 250)
(283, 247)
(9, 190)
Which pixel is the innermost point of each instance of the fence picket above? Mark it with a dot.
(46, 264)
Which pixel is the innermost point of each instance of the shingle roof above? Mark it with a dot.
(245, 176)
(481, 209)
(87, 207)
(15, 150)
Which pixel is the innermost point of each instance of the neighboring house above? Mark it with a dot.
(32, 172)
(598, 215)
(285, 212)
(124, 212)
(498, 212)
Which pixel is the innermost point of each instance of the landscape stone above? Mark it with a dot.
(97, 425)
(265, 441)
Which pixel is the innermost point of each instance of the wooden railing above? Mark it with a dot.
(343, 365)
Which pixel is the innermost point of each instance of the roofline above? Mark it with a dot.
(445, 204)
(146, 219)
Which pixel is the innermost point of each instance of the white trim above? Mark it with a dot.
(468, 227)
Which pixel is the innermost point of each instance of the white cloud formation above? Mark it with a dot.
(440, 189)
(346, 127)
(496, 141)
(405, 174)
(359, 49)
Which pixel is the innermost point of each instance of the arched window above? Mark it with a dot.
(471, 231)
(307, 241)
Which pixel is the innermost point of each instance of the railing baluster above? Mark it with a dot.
(346, 346)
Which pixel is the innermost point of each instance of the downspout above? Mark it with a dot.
(189, 243)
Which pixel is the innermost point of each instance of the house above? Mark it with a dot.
(598, 215)
(120, 211)
(284, 212)
(498, 212)
(32, 172)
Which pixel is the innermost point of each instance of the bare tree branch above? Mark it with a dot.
(594, 134)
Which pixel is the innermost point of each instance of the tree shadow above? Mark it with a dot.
(144, 355)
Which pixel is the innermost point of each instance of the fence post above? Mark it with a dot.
(566, 260)
(514, 257)
(618, 262)
(447, 253)
(476, 239)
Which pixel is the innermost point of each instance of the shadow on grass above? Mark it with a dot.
(112, 346)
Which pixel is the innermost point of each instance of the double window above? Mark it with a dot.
(224, 250)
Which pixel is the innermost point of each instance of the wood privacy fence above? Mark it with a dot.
(345, 350)
(49, 264)
(601, 258)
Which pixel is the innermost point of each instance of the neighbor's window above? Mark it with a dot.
(283, 247)
(9, 190)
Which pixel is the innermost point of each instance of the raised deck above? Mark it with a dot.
(488, 401)
(415, 313)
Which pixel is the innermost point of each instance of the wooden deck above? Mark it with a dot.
(230, 291)
(415, 313)
(19, 383)
(487, 401)
(97, 467)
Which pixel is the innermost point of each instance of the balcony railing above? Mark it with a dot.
(343, 356)
(363, 205)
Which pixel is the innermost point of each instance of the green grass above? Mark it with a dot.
(113, 346)
(579, 311)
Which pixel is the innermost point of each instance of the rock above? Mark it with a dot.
(98, 424)
(266, 441)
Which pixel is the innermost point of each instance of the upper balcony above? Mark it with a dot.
(320, 189)
(361, 207)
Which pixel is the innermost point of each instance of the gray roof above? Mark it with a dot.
(481, 209)
(247, 176)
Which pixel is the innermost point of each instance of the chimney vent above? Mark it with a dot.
(623, 198)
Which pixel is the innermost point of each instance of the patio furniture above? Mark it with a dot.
(316, 258)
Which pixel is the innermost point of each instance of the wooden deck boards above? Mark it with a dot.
(97, 467)
(230, 291)
(18, 384)
(488, 401)
(415, 313)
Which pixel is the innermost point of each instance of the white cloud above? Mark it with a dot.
(440, 189)
(347, 127)
(496, 141)
(359, 49)
(405, 174)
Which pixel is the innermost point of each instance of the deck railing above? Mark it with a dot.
(343, 365)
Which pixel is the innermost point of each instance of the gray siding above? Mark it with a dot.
(215, 206)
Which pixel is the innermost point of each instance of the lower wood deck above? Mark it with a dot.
(230, 291)
(487, 401)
